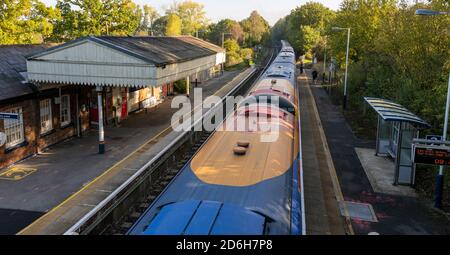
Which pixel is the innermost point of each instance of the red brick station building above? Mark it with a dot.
(56, 90)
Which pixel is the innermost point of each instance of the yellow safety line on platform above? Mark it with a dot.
(114, 166)
(331, 167)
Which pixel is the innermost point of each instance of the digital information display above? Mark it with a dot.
(432, 155)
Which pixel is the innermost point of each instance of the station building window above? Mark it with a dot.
(14, 129)
(65, 110)
(46, 115)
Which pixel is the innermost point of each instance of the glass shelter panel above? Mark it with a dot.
(384, 135)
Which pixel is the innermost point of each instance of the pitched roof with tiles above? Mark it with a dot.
(13, 67)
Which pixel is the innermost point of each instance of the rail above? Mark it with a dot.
(102, 210)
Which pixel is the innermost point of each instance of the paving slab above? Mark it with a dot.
(381, 171)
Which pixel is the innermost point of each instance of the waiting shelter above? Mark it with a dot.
(397, 127)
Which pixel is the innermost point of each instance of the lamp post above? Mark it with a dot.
(440, 178)
(324, 62)
(344, 105)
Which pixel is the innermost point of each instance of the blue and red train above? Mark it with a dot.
(237, 183)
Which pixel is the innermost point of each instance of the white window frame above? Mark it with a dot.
(9, 125)
(66, 122)
(46, 119)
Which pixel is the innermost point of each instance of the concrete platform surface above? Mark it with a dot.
(71, 177)
(381, 172)
(321, 188)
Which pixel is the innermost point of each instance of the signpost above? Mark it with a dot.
(435, 138)
(8, 116)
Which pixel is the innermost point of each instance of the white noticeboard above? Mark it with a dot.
(2, 139)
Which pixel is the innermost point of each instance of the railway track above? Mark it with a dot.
(116, 214)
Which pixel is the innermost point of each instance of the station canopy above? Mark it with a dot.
(125, 61)
(390, 111)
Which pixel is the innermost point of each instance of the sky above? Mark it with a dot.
(271, 10)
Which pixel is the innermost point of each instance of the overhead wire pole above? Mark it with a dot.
(440, 177)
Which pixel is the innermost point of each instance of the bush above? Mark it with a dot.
(180, 86)
(233, 58)
(246, 53)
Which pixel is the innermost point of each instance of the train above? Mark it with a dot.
(237, 183)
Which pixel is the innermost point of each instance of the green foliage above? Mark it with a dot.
(180, 86)
(246, 53)
(310, 38)
(233, 53)
(192, 15)
(26, 21)
(394, 54)
(304, 27)
(148, 20)
(230, 29)
(256, 29)
(159, 26)
(173, 26)
(233, 58)
(96, 17)
(232, 46)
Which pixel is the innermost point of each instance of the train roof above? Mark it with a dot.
(212, 163)
(280, 70)
(221, 192)
(281, 85)
(193, 217)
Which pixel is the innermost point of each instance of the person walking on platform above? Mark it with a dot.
(314, 76)
(301, 67)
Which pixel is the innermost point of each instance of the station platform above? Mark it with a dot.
(321, 186)
(69, 179)
(396, 214)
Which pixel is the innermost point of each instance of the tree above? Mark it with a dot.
(96, 17)
(159, 26)
(148, 20)
(173, 26)
(233, 52)
(246, 53)
(26, 21)
(306, 24)
(255, 28)
(310, 38)
(279, 30)
(227, 26)
(192, 15)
